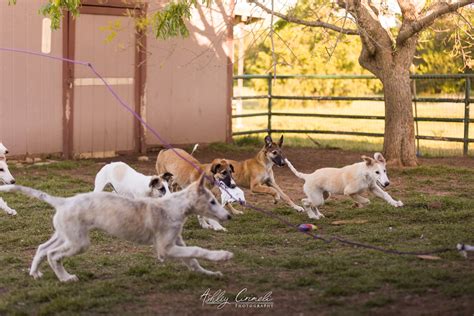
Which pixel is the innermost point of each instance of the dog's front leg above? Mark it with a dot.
(183, 252)
(233, 210)
(193, 264)
(285, 197)
(208, 223)
(384, 195)
(6, 208)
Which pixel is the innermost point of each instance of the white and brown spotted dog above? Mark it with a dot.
(257, 174)
(128, 182)
(368, 175)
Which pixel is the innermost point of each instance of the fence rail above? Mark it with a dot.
(466, 120)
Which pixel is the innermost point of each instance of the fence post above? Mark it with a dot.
(269, 124)
(417, 130)
(467, 96)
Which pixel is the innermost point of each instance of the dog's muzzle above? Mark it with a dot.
(383, 186)
(229, 183)
(279, 161)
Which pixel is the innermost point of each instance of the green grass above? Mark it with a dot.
(304, 275)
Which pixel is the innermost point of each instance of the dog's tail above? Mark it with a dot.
(194, 149)
(296, 172)
(52, 200)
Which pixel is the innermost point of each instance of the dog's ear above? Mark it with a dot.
(154, 181)
(367, 160)
(215, 167)
(280, 142)
(232, 168)
(268, 141)
(379, 157)
(167, 176)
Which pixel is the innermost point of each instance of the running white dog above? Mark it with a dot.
(5, 177)
(352, 180)
(147, 221)
(130, 183)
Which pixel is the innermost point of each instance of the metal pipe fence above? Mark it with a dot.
(466, 120)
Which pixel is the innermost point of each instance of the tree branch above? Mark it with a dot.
(368, 22)
(435, 12)
(305, 22)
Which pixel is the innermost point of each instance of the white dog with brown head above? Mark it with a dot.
(368, 175)
(128, 182)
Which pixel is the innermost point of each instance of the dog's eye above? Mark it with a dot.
(213, 202)
(385, 171)
(377, 172)
(274, 152)
(224, 173)
(2, 170)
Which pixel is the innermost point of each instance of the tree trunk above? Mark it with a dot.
(399, 141)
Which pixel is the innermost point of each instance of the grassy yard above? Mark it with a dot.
(304, 275)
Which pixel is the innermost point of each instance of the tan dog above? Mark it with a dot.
(184, 174)
(257, 174)
(368, 175)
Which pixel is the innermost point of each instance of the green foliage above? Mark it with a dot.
(171, 21)
(166, 23)
(54, 10)
(446, 48)
(303, 50)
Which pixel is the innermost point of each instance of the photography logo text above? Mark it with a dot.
(242, 299)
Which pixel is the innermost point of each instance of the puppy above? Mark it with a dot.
(368, 175)
(157, 222)
(128, 182)
(184, 174)
(6, 178)
(171, 160)
(257, 174)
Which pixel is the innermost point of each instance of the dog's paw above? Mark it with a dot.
(398, 204)
(36, 274)
(298, 208)
(11, 212)
(313, 216)
(219, 228)
(215, 274)
(237, 212)
(222, 255)
(70, 278)
(276, 198)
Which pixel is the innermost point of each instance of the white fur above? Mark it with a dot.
(231, 195)
(369, 175)
(127, 182)
(5, 177)
(3, 150)
(147, 221)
